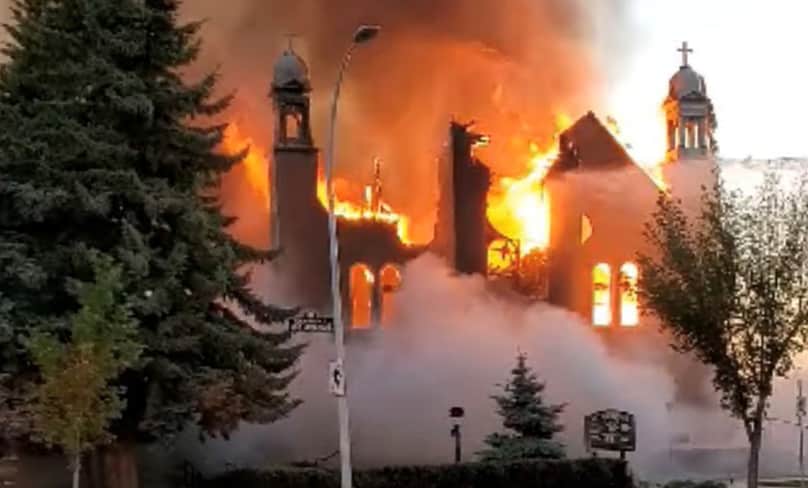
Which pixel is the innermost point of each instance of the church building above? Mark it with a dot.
(600, 200)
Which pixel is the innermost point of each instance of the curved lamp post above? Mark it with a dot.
(362, 35)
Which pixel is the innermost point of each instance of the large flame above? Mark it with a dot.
(519, 208)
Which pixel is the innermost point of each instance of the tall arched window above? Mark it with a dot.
(601, 295)
(361, 281)
(390, 281)
(629, 305)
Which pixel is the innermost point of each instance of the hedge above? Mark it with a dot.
(584, 473)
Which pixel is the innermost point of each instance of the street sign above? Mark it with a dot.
(336, 378)
(611, 430)
(310, 322)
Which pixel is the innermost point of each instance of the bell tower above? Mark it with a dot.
(298, 221)
(689, 114)
(294, 160)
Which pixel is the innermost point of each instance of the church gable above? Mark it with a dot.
(588, 145)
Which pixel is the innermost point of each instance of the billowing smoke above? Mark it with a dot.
(453, 341)
(512, 68)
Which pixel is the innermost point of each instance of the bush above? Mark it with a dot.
(588, 473)
(695, 484)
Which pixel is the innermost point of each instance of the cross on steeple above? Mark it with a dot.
(291, 39)
(685, 51)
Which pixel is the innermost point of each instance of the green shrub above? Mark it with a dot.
(695, 484)
(584, 473)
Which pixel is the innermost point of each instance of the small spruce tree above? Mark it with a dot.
(531, 423)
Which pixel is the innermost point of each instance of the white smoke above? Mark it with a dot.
(454, 340)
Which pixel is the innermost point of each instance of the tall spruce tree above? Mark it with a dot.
(102, 151)
(532, 424)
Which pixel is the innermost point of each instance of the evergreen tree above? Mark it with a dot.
(102, 151)
(531, 423)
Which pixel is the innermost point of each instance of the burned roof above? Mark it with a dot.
(589, 145)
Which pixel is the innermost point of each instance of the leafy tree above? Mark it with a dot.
(74, 404)
(731, 285)
(532, 423)
(104, 148)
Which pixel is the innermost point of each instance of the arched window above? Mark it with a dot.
(390, 281)
(361, 281)
(601, 295)
(292, 126)
(629, 305)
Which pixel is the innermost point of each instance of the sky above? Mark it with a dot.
(752, 54)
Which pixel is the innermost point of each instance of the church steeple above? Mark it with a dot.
(290, 93)
(689, 114)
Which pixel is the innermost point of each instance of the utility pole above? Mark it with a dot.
(800, 417)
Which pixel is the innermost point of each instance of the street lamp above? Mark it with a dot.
(363, 34)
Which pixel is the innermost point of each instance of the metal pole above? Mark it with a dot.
(457, 438)
(336, 297)
(800, 415)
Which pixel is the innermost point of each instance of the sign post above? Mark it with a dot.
(800, 416)
(610, 430)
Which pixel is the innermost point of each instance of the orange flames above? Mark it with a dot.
(254, 164)
(519, 208)
(371, 209)
(256, 172)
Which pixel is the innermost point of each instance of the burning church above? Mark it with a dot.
(568, 233)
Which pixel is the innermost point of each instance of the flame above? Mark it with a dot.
(255, 167)
(519, 208)
(364, 210)
(256, 173)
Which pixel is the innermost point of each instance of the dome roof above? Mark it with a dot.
(290, 69)
(686, 82)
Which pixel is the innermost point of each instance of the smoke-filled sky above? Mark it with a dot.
(513, 66)
(513, 69)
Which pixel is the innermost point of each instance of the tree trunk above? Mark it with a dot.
(76, 470)
(115, 466)
(755, 438)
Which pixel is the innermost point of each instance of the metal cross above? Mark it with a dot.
(291, 38)
(684, 50)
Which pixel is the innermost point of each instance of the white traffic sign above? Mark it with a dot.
(336, 378)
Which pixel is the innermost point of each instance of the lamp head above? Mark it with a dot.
(366, 33)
